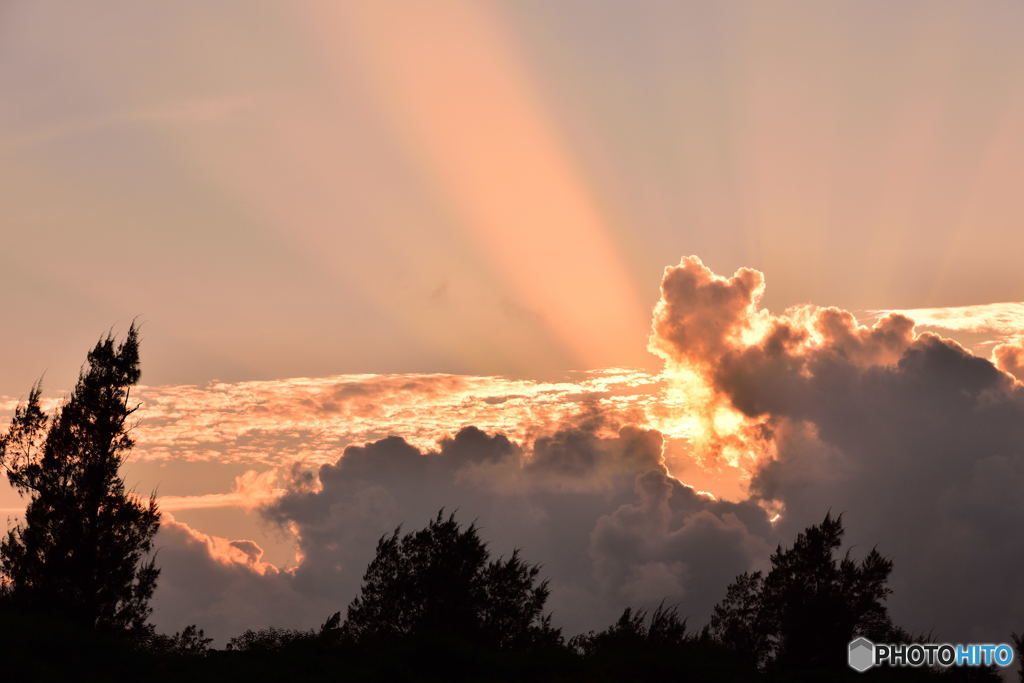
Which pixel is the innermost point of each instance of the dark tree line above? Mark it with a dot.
(77, 575)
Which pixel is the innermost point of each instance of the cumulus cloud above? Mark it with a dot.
(1010, 358)
(221, 585)
(671, 542)
(927, 458)
(598, 511)
(917, 440)
(700, 313)
(573, 503)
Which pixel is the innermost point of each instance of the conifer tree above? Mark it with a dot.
(83, 550)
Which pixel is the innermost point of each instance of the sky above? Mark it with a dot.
(571, 264)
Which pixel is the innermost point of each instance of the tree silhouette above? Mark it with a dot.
(81, 552)
(633, 631)
(269, 639)
(656, 647)
(809, 606)
(738, 620)
(441, 582)
(190, 641)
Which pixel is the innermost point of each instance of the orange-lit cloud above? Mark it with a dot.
(251, 490)
(279, 424)
(713, 334)
(311, 419)
(1010, 358)
(221, 584)
(239, 552)
(909, 434)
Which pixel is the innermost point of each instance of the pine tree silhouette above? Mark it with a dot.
(805, 610)
(82, 550)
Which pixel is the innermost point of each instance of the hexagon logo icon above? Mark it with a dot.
(861, 654)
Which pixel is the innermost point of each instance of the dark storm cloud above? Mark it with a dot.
(600, 513)
(919, 442)
(926, 458)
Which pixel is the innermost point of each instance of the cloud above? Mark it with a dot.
(918, 441)
(571, 503)
(1010, 358)
(221, 585)
(700, 313)
(915, 439)
(599, 512)
(251, 490)
(999, 319)
(309, 420)
(671, 542)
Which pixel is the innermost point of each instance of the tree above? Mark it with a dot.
(737, 621)
(83, 549)
(633, 632)
(657, 647)
(809, 606)
(191, 641)
(270, 639)
(441, 582)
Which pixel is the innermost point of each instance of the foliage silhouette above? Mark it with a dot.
(190, 641)
(441, 580)
(82, 550)
(269, 639)
(633, 629)
(656, 648)
(809, 605)
(434, 605)
(738, 621)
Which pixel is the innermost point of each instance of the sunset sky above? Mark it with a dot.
(609, 232)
